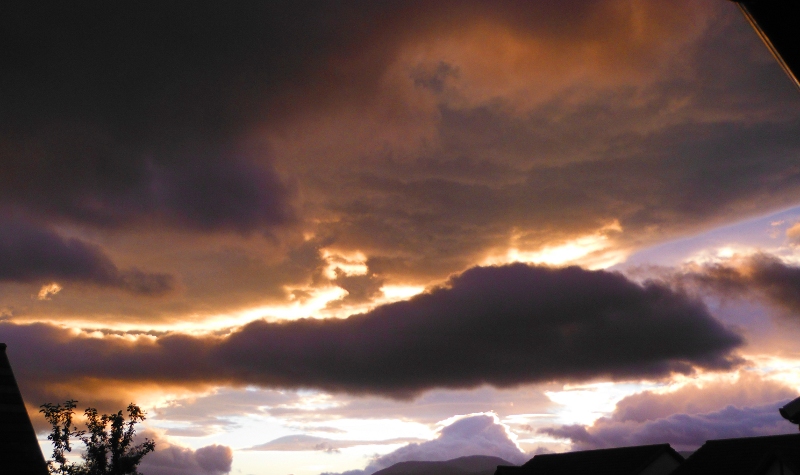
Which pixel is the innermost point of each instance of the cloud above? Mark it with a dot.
(682, 431)
(29, 253)
(47, 291)
(498, 164)
(170, 459)
(152, 135)
(85, 177)
(302, 442)
(474, 434)
(424, 134)
(746, 389)
(360, 288)
(502, 326)
(793, 233)
(155, 132)
(686, 418)
(760, 274)
(494, 325)
(302, 413)
(429, 407)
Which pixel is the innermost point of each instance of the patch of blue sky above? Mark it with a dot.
(766, 232)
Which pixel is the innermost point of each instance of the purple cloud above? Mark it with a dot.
(29, 253)
(176, 460)
(761, 275)
(686, 418)
(682, 431)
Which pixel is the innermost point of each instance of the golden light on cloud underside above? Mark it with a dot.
(47, 291)
(719, 254)
(302, 303)
(297, 308)
(351, 263)
(593, 251)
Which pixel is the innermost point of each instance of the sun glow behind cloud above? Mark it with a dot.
(592, 251)
(314, 304)
(785, 369)
(720, 253)
(351, 263)
(583, 404)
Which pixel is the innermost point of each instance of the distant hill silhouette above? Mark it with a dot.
(472, 465)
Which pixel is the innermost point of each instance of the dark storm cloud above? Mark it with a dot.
(33, 254)
(153, 68)
(90, 177)
(501, 326)
(244, 117)
(117, 114)
(761, 275)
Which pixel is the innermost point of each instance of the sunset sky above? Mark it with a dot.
(324, 237)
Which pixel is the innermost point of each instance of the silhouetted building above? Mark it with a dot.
(20, 453)
(658, 459)
(770, 455)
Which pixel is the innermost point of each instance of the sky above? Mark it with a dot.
(325, 237)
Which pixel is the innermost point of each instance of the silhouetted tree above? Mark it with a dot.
(108, 440)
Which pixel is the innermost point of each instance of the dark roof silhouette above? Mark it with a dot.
(745, 456)
(616, 461)
(20, 453)
(471, 465)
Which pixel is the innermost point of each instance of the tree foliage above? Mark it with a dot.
(108, 439)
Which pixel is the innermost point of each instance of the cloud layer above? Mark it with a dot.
(760, 275)
(29, 253)
(423, 136)
(302, 442)
(688, 417)
(501, 326)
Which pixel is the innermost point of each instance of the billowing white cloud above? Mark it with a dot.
(474, 434)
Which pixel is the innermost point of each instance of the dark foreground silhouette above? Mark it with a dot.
(19, 449)
(472, 465)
